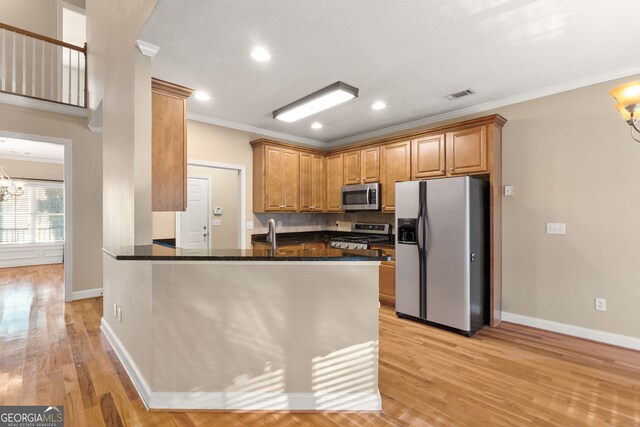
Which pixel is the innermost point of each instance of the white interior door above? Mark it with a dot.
(193, 224)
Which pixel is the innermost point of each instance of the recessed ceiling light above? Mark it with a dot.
(260, 54)
(378, 105)
(201, 96)
(320, 100)
(316, 125)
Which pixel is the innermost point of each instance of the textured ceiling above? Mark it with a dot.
(408, 53)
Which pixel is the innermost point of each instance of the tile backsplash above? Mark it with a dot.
(296, 222)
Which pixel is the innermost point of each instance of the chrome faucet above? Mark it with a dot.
(271, 234)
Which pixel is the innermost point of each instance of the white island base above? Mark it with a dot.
(246, 335)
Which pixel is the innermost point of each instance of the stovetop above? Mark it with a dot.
(376, 233)
(361, 238)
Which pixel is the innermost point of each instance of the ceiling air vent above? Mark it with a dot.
(459, 94)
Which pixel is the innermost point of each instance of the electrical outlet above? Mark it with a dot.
(120, 314)
(601, 304)
(249, 225)
(556, 228)
(279, 223)
(115, 310)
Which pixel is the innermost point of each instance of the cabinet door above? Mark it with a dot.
(370, 165)
(168, 146)
(314, 246)
(306, 182)
(467, 151)
(395, 167)
(272, 178)
(290, 180)
(428, 157)
(351, 171)
(387, 283)
(334, 183)
(318, 187)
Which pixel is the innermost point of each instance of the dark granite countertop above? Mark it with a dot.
(296, 238)
(164, 253)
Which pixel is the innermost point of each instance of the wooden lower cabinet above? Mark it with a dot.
(318, 246)
(387, 277)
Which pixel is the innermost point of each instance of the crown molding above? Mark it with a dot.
(40, 104)
(147, 49)
(255, 130)
(502, 102)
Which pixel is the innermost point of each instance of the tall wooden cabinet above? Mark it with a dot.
(312, 182)
(168, 146)
(335, 181)
(395, 160)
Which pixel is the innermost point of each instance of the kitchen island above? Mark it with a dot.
(245, 329)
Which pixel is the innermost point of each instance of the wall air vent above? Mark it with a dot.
(459, 94)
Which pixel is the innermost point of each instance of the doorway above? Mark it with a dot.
(35, 225)
(193, 225)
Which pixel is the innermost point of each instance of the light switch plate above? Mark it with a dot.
(216, 222)
(556, 228)
(508, 190)
(249, 225)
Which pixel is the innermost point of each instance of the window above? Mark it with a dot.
(35, 217)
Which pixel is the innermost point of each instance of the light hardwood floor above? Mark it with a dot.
(53, 353)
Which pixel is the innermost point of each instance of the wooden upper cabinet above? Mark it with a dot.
(335, 182)
(395, 167)
(467, 151)
(362, 166)
(370, 165)
(290, 179)
(312, 187)
(428, 157)
(168, 146)
(351, 171)
(276, 179)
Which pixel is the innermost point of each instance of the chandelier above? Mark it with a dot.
(8, 188)
(628, 97)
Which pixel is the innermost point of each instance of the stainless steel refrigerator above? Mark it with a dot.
(442, 252)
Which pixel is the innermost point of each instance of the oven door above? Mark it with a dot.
(361, 197)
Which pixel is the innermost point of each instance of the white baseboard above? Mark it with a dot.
(238, 401)
(87, 293)
(576, 331)
(141, 385)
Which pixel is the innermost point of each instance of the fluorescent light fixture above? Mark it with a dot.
(325, 98)
(316, 125)
(260, 54)
(379, 105)
(201, 96)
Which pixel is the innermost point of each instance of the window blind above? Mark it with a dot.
(36, 216)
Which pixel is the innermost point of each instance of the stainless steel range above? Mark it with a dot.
(363, 235)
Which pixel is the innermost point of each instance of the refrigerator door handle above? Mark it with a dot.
(419, 230)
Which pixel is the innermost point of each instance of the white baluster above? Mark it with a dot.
(51, 68)
(69, 99)
(42, 73)
(33, 67)
(24, 65)
(4, 72)
(78, 75)
(13, 65)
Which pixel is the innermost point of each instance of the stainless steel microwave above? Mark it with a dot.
(365, 197)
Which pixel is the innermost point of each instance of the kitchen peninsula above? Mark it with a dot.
(245, 329)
